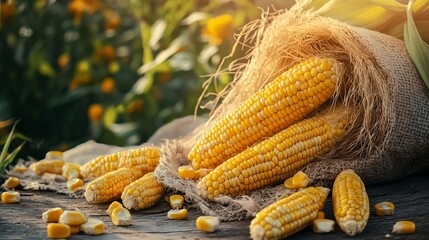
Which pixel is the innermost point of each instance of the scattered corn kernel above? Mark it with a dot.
(48, 166)
(52, 215)
(74, 184)
(20, 169)
(177, 214)
(72, 218)
(404, 227)
(300, 179)
(11, 182)
(207, 223)
(186, 172)
(71, 171)
(74, 229)
(323, 225)
(10, 197)
(58, 230)
(54, 155)
(384, 208)
(93, 227)
(200, 173)
(121, 216)
(112, 206)
(288, 184)
(320, 215)
(176, 201)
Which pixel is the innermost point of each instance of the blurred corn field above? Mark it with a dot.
(113, 71)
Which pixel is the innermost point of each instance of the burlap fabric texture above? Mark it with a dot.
(390, 140)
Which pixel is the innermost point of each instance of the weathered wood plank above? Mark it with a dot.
(23, 220)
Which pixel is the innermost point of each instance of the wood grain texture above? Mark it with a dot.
(24, 220)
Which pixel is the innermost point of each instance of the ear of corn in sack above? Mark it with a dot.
(276, 158)
(282, 102)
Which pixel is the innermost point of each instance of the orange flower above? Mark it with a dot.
(108, 85)
(78, 7)
(95, 112)
(219, 28)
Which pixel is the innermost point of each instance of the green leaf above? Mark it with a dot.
(5, 159)
(417, 48)
(7, 144)
(110, 116)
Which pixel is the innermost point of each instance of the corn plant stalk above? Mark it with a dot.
(5, 159)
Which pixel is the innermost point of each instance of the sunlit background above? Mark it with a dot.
(113, 70)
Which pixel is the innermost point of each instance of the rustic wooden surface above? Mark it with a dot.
(23, 220)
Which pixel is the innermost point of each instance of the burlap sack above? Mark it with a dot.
(390, 139)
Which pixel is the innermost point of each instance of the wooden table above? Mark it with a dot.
(24, 221)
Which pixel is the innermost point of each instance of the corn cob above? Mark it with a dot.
(20, 169)
(146, 157)
(52, 215)
(284, 101)
(350, 202)
(110, 186)
(143, 193)
(288, 215)
(276, 158)
(48, 166)
(58, 230)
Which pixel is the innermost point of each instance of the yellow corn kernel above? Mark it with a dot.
(72, 218)
(71, 171)
(384, 208)
(54, 155)
(143, 193)
(93, 227)
(176, 201)
(74, 229)
(350, 202)
(177, 214)
(147, 158)
(110, 186)
(200, 173)
(52, 215)
(281, 103)
(74, 184)
(58, 230)
(48, 166)
(186, 172)
(20, 169)
(323, 225)
(276, 158)
(11, 182)
(10, 197)
(320, 215)
(207, 223)
(300, 179)
(112, 206)
(404, 227)
(288, 215)
(289, 185)
(121, 216)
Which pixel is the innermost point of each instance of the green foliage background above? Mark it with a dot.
(140, 62)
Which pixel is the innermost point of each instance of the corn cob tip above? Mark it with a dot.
(353, 227)
(257, 232)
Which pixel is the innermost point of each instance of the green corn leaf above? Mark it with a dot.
(417, 48)
(5, 159)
